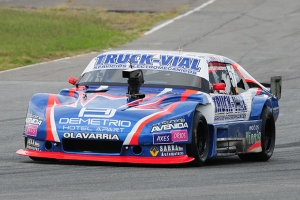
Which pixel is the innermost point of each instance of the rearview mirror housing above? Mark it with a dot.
(219, 86)
(276, 83)
(73, 80)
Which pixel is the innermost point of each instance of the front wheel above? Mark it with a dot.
(199, 146)
(268, 133)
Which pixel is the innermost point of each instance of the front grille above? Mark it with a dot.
(92, 146)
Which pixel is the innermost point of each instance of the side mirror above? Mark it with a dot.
(276, 82)
(219, 86)
(73, 80)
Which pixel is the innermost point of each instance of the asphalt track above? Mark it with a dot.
(262, 35)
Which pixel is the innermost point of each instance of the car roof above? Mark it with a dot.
(179, 61)
(209, 57)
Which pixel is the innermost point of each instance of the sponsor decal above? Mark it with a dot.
(169, 138)
(170, 125)
(32, 124)
(254, 128)
(95, 122)
(32, 145)
(76, 128)
(230, 117)
(179, 135)
(162, 138)
(154, 151)
(149, 61)
(31, 129)
(107, 129)
(167, 150)
(227, 108)
(253, 135)
(96, 136)
(99, 112)
(251, 138)
(227, 104)
(171, 150)
(30, 120)
(90, 129)
(33, 119)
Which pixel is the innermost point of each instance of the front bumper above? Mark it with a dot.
(114, 159)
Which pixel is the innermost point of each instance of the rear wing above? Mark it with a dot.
(275, 86)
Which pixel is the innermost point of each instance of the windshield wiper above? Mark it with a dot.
(95, 91)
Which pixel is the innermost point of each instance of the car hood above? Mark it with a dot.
(111, 115)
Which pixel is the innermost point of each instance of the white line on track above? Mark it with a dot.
(151, 31)
(179, 17)
(66, 58)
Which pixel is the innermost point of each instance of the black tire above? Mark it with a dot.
(199, 146)
(42, 159)
(268, 135)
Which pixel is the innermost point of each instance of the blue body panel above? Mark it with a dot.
(112, 116)
(89, 117)
(244, 131)
(264, 99)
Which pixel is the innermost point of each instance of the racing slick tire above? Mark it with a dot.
(199, 146)
(268, 134)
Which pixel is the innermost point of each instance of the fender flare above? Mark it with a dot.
(258, 103)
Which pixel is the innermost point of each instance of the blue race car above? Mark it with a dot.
(155, 107)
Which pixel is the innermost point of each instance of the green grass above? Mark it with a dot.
(29, 36)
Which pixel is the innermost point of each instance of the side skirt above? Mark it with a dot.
(232, 138)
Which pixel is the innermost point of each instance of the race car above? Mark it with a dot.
(155, 107)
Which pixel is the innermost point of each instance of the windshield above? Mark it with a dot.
(151, 77)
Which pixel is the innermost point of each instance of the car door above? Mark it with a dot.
(229, 103)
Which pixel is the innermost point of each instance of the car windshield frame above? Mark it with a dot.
(153, 78)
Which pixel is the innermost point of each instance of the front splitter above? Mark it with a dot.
(114, 159)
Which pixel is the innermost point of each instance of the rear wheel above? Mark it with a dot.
(268, 134)
(200, 140)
